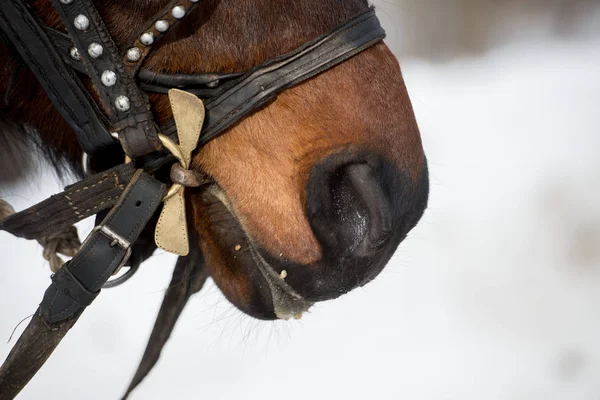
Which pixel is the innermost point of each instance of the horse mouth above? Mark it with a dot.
(231, 251)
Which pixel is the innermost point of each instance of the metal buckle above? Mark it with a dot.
(116, 240)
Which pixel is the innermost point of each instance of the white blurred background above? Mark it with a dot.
(495, 295)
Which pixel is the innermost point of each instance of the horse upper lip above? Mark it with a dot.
(287, 302)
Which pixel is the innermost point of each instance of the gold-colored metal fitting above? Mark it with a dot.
(171, 230)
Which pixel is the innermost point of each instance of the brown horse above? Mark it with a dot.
(321, 185)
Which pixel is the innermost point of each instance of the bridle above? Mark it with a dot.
(131, 192)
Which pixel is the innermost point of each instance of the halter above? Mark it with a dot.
(131, 192)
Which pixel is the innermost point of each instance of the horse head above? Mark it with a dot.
(312, 194)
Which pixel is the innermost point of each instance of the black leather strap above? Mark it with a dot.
(203, 85)
(63, 88)
(63, 45)
(79, 281)
(122, 100)
(264, 83)
(186, 81)
(104, 251)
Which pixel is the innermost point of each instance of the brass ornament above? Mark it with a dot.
(171, 232)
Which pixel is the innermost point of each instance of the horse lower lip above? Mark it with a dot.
(283, 301)
(286, 301)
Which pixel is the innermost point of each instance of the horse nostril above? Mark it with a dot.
(360, 207)
(350, 214)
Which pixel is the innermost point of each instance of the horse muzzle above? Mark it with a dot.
(360, 207)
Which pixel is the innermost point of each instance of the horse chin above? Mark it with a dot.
(237, 266)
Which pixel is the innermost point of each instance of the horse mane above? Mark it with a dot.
(21, 145)
(21, 149)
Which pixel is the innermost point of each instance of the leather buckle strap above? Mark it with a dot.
(104, 252)
(80, 280)
(68, 285)
(116, 240)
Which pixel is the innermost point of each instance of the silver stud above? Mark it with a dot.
(134, 54)
(95, 50)
(194, 1)
(66, 1)
(108, 78)
(75, 54)
(114, 135)
(178, 12)
(161, 25)
(122, 103)
(81, 22)
(147, 38)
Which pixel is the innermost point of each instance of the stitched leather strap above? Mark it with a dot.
(61, 85)
(106, 249)
(120, 96)
(264, 83)
(79, 281)
(77, 202)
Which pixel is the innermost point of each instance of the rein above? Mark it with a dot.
(128, 198)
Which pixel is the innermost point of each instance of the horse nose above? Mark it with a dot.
(360, 207)
(349, 212)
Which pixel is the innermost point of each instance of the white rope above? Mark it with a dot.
(6, 210)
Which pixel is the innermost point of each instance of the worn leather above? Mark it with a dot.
(241, 97)
(75, 203)
(59, 82)
(264, 83)
(78, 283)
(80, 280)
(203, 85)
(140, 137)
(165, 14)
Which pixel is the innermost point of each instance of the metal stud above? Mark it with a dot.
(161, 25)
(66, 1)
(178, 12)
(74, 54)
(95, 50)
(194, 1)
(108, 78)
(122, 103)
(134, 54)
(147, 38)
(81, 22)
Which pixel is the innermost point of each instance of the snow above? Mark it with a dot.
(493, 296)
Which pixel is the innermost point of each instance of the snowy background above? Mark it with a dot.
(495, 295)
